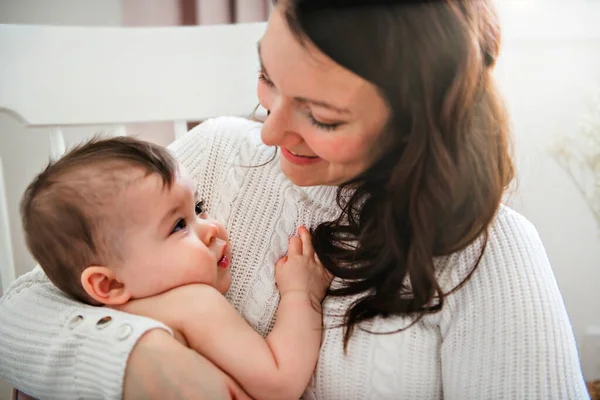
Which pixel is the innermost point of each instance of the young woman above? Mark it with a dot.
(386, 135)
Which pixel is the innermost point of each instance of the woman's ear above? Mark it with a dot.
(102, 285)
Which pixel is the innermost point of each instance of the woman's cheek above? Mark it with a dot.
(338, 148)
(264, 95)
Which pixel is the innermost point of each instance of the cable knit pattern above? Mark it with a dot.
(504, 335)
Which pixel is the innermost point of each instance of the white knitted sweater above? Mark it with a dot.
(505, 335)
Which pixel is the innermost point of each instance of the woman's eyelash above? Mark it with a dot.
(322, 125)
(263, 78)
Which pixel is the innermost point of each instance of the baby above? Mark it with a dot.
(116, 222)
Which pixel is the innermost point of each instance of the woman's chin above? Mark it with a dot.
(303, 175)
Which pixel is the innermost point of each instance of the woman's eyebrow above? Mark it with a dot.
(304, 100)
(322, 104)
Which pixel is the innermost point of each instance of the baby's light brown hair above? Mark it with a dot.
(70, 211)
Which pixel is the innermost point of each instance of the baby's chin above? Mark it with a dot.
(224, 282)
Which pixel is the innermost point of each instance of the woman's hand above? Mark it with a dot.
(161, 368)
(300, 270)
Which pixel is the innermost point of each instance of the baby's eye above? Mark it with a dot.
(181, 224)
(199, 208)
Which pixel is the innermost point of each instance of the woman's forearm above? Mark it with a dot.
(151, 374)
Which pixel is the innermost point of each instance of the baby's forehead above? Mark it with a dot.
(150, 184)
(150, 195)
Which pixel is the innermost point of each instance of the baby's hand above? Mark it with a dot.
(301, 270)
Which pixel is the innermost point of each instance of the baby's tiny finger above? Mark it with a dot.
(317, 260)
(295, 246)
(281, 261)
(307, 248)
(328, 276)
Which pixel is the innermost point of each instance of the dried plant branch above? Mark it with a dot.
(580, 159)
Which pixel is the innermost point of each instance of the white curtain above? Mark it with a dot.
(175, 12)
(226, 11)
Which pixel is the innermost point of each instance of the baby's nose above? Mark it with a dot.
(207, 231)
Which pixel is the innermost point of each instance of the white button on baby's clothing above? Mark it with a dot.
(124, 331)
(75, 321)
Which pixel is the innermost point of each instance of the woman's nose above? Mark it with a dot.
(278, 127)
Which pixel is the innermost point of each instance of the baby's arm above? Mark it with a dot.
(278, 367)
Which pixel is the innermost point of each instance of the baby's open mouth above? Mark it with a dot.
(223, 262)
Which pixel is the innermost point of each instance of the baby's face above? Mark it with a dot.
(169, 241)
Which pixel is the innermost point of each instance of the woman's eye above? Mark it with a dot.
(323, 125)
(179, 225)
(199, 207)
(263, 78)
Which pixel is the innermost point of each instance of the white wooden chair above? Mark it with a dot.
(67, 76)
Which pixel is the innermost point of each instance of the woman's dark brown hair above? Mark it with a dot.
(440, 184)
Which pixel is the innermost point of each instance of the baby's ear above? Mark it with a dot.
(101, 284)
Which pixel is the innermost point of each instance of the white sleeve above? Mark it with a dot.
(506, 334)
(55, 347)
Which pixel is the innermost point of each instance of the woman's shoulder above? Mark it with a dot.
(35, 277)
(511, 249)
(508, 322)
(219, 138)
(507, 269)
(512, 238)
(231, 128)
(509, 220)
(229, 125)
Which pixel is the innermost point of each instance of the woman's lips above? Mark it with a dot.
(297, 159)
